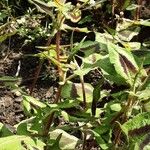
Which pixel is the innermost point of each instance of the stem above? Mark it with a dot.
(138, 10)
(39, 69)
(117, 138)
(36, 76)
(113, 4)
(58, 49)
(84, 140)
(129, 105)
(83, 92)
(48, 124)
(58, 94)
(50, 118)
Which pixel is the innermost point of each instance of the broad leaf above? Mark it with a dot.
(18, 142)
(138, 130)
(66, 141)
(74, 91)
(127, 35)
(123, 62)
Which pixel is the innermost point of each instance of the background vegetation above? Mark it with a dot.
(91, 59)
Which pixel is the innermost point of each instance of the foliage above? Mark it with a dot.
(112, 118)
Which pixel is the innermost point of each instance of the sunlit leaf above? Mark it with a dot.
(123, 61)
(65, 115)
(7, 30)
(18, 142)
(115, 107)
(127, 35)
(34, 101)
(74, 91)
(75, 15)
(137, 129)
(144, 22)
(42, 6)
(132, 7)
(66, 141)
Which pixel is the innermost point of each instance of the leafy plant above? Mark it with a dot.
(114, 111)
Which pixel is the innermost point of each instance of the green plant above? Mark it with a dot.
(115, 119)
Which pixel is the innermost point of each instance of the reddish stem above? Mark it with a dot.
(38, 70)
(138, 10)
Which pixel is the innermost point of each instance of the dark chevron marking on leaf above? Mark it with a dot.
(145, 142)
(74, 93)
(139, 131)
(42, 5)
(93, 58)
(127, 64)
(123, 64)
(75, 17)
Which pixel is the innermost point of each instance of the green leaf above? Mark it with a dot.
(132, 7)
(56, 143)
(96, 97)
(7, 30)
(128, 34)
(146, 105)
(6, 130)
(66, 141)
(86, 19)
(68, 104)
(101, 142)
(137, 129)
(34, 101)
(17, 142)
(145, 22)
(126, 4)
(143, 95)
(115, 107)
(143, 54)
(65, 115)
(22, 129)
(123, 62)
(74, 91)
(43, 7)
(131, 46)
(90, 47)
(109, 71)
